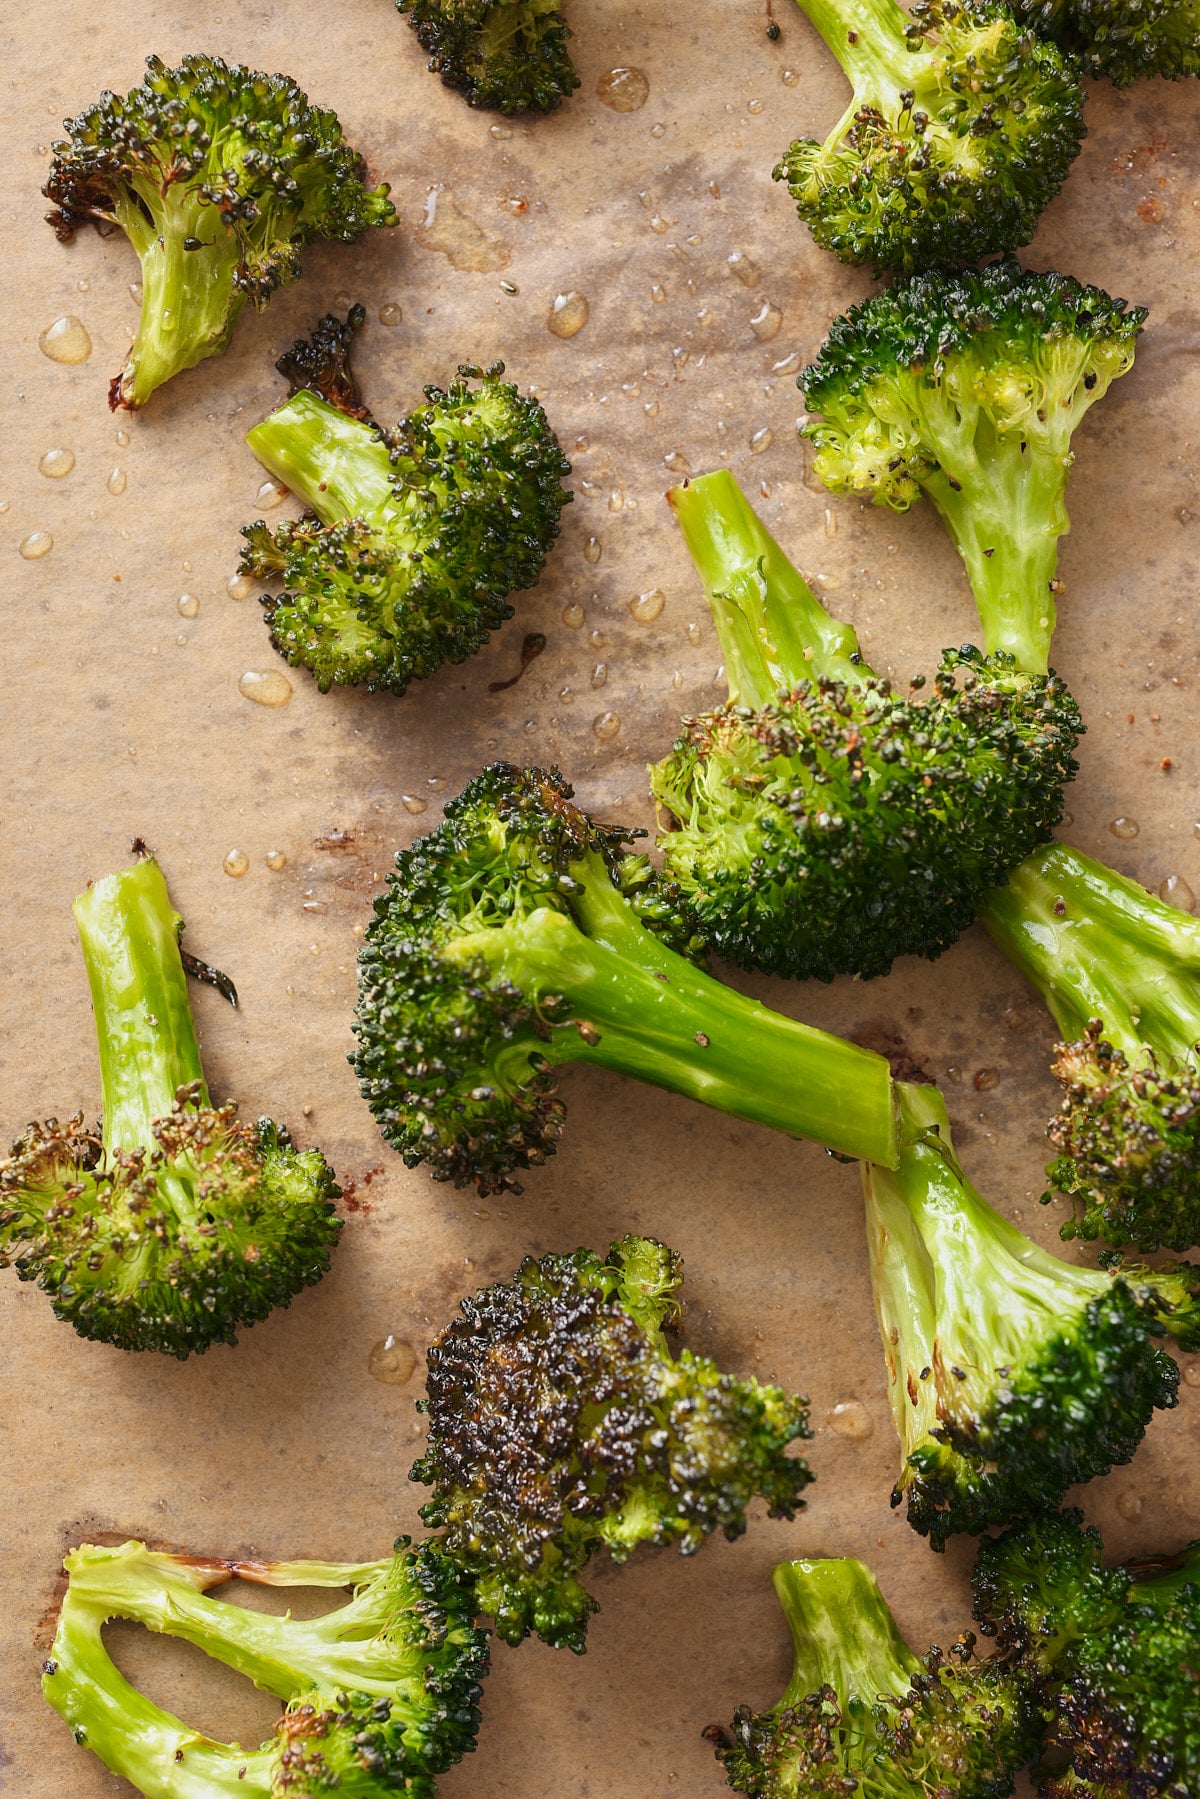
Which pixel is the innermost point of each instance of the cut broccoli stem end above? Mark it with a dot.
(843, 1634)
(338, 466)
(190, 299)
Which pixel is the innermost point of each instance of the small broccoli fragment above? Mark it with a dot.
(520, 935)
(968, 387)
(1120, 971)
(218, 175)
(960, 130)
(561, 1423)
(823, 823)
(380, 1694)
(1126, 40)
(507, 55)
(862, 1714)
(1013, 1375)
(416, 537)
(176, 1224)
(1112, 1654)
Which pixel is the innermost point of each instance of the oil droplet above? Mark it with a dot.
(276, 860)
(986, 1079)
(122, 439)
(755, 106)
(625, 90)
(830, 522)
(270, 689)
(66, 340)
(600, 674)
(787, 365)
(573, 615)
(1191, 1374)
(187, 605)
(38, 543)
(616, 500)
(84, 285)
(592, 550)
(790, 78)
(270, 494)
(1129, 1505)
(693, 632)
(658, 294)
(1125, 828)
(509, 287)
(239, 587)
(391, 314)
(606, 725)
(761, 440)
(57, 463)
(850, 1419)
(446, 229)
(236, 863)
(500, 132)
(646, 607)
(392, 1361)
(744, 267)
(117, 482)
(598, 640)
(766, 322)
(651, 409)
(677, 680)
(412, 802)
(1176, 892)
(677, 462)
(658, 131)
(436, 784)
(568, 314)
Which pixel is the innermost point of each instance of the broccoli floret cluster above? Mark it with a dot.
(961, 129)
(561, 1423)
(822, 823)
(219, 176)
(508, 55)
(174, 1224)
(1126, 40)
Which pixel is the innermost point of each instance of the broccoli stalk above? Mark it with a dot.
(822, 823)
(1120, 971)
(968, 387)
(862, 1714)
(519, 936)
(178, 1224)
(380, 1694)
(509, 55)
(1013, 1375)
(960, 130)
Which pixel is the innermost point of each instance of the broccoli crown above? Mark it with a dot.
(863, 1715)
(416, 537)
(320, 364)
(218, 175)
(961, 129)
(380, 1694)
(519, 934)
(175, 1224)
(1126, 40)
(1013, 1375)
(508, 55)
(1120, 971)
(560, 1422)
(968, 387)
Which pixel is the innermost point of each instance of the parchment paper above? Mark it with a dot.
(123, 718)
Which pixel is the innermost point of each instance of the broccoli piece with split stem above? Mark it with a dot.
(177, 1224)
(415, 537)
(1126, 40)
(508, 55)
(862, 1714)
(1013, 1375)
(380, 1695)
(968, 387)
(1120, 971)
(520, 935)
(960, 130)
(823, 823)
(218, 175)
(561, 1423)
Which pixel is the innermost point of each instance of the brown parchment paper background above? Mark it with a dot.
(122, 718)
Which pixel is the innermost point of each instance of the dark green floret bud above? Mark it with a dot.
(508, 55)
(562, 1423)
(1126, 40)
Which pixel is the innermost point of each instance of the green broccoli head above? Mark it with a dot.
(508, 55)
(968, 387)
(380, 1694)
(822, 823)
(416, 537)
(561, 1423)
(1126, 40)
(519, 935)
(1013, 1375)
(175, 1224)
(961, 129)
(862, 1714)
(218, 175)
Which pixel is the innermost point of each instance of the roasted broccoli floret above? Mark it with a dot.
(519, 935)
(176, 1224)
(1113, 1655)
(960, 131)
(1013, 1375)
(862, 1714)
(561, 1423)
(968, 387)
(1127, 40)
(380, 1695)
(822, 823)
(415, 537)
(1120, 971)
(508, 55)
(218, 175)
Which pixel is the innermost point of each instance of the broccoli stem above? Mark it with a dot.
(843, 1634)
(339, 466)
(774, 632)
(190, 300)
(868, 39)
(1096, 945)
(1161, 1577)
